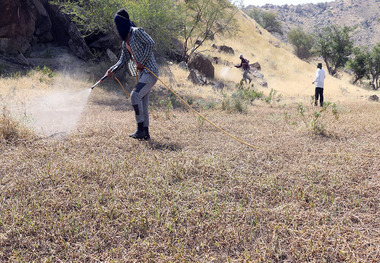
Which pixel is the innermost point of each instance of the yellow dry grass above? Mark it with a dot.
(192, 194)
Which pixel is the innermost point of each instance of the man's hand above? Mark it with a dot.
(109, 73)
(140, 67)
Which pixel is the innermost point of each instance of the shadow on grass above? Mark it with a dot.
(116, 104)
(156, 145)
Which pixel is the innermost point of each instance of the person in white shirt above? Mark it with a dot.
(319, 84)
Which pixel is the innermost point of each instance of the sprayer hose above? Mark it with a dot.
(210, 122)
(200, 115)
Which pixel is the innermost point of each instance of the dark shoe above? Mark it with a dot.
(142, 133)
(147, 137)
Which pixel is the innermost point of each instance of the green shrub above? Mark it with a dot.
(314, 120)
(267, 20)
(273, 97)
(302, 42)
(239, 100)
(160, 18)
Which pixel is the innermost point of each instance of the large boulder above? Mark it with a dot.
(373, 98)
(77, 44)
(203, 65)
(226, 49)
(43, 24)
(21, 22)
(17, 25)
(66, 33)
(194, 78)
(24, 23)
(106, 41)
(177, 52)
(255, 66)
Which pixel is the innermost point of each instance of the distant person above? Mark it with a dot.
(245, 65)
(137, 53)
(319, 85)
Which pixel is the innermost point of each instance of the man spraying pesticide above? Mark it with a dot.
(245, 65)
(137, 55)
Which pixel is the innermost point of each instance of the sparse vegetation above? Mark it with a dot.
(302, 42)
(160, 18)
(241, 98)
(335, 46)
(366, 64)
(273, 97)
(314, 119)
(267, 20)
(309, 192)
(191, 193)
(12, 131)
(194, 21)
(204, 19)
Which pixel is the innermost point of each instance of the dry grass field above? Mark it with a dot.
(308, 192)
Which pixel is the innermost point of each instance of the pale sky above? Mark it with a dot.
(281, 2)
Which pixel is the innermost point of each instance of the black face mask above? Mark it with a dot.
(123, 26)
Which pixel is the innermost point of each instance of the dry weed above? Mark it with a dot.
(12, 130)
(191, 194)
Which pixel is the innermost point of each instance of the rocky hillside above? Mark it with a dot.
(29, 28)
(365, 15)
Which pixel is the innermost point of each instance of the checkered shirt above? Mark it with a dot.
(142, 47)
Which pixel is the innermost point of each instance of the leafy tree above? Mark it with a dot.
(374, 66)
(160, 18)
(302, 42)
(359, 63)
(270, 22)
(255, 13)
(267, 20)
(91, 16)
(335, 46)
(203, 19)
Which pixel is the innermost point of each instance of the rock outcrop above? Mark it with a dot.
(203, 65)
(25, 23)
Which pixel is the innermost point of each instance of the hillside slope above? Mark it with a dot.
(364, 15)
(283, 71)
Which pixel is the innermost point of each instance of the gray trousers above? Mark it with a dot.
(246, 76)
(140, 97)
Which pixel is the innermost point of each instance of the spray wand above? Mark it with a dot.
(99, 81)
(104, 77)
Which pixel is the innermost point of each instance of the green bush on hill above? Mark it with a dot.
(267, 20)
(302, 42)
(194, 20)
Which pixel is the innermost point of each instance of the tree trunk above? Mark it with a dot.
(356, 80)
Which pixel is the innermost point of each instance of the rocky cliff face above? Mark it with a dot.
(364, 15)
(24, 23)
